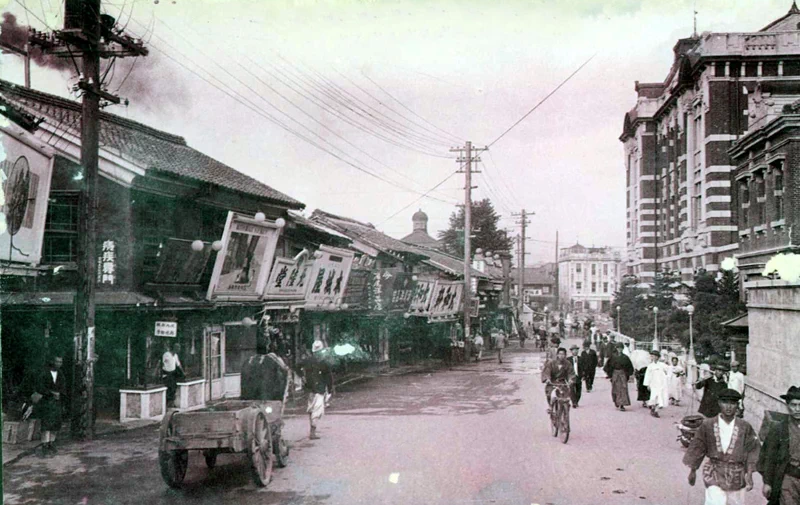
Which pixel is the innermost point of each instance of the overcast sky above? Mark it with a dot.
(421, 74)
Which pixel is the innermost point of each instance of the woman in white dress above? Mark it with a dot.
(676, 378)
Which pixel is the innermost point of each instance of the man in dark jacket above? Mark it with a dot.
(577, 367)
(712, 386)
(589, 359)
(779, 461)
(47, 392)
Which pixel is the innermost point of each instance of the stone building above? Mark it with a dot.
(677, 140)
(588, 277)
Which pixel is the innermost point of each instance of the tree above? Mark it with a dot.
(715, 300)
(486, 235)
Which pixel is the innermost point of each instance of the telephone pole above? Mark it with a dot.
(467, 159)
(523, 222)
(90, 35)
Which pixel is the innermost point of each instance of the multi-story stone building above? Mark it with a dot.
(588, 277)
(677, 139)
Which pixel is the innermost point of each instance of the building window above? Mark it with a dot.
(745, 205)
(594, 287)
(578, 286)
(697, 205)
(546, 290)
(578, 267)
(605, 287)
(698, 126)
(778, 194)
(61, 228)
(761, 198)
(594, 269)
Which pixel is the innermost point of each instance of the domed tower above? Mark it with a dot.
(420, 220)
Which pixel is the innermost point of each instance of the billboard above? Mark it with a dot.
(446, 300)
(242, 266)
(422, 296)
(25, 172)
(329, 277)
(289, 279)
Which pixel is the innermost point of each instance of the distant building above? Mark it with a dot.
(420, 235)
(588, 277)
(680, 213)
(539, 285)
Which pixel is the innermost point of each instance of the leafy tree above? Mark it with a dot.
(715, 300)
(486, 234)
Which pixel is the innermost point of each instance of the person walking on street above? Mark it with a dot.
(478, 347)
(731, 448)
(501, 340)
(577, 367)
(655, 378)
(556, 370)
(318, 379)
(171, 372)
(712, 386)
(619, 368)
(736, 382)
(675, 379)
(601, 352)
(779, 461)
(589, 357)
(48, 388)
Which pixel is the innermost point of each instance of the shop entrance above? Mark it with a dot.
(214, 359)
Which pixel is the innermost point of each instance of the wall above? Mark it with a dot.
(773, 310)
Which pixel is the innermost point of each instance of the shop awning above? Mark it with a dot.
(67, 298)
(737, 322)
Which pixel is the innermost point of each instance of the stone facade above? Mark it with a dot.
(588, 277)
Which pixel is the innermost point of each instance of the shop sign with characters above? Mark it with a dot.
(289, 279)
(423, 292)
(26, 167)
(446, 299)
(243, 265)
(329, 277)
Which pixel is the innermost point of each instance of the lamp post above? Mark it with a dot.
(655, 335)
(619, 328)
(692, 361)
(547, 320)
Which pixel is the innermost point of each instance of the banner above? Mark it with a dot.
(446, 299)
(356, 294)
(25, 176)
(243, 265)
(402, 292)
(329, 277)
(288, 279)
(423, 293)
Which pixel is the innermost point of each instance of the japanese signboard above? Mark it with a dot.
(25, 171)
(180, 264)
(399, 298)
(289, 279)
(242, 266)
(446, 300)
(423, 292)
(329, 277)
(107, 263)
(357, 292)
(166, 329)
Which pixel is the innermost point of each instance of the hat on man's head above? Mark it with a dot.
(620, 345)
(574, 347)
(655, 353)
(792, 394)
(586, 344)
(718, 364)
(734, 363)
(729, 395)
(317, 346)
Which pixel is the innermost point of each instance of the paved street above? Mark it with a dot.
(476, 434)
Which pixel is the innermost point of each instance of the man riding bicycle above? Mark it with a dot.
(555, 371)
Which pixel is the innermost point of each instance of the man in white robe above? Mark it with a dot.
(676, 375)
(655, 378)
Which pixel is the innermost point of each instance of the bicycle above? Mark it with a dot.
(559, 411)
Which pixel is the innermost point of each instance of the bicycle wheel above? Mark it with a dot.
(563, 421)
(554, 419)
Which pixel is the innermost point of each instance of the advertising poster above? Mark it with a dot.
(402, 291)
(423, 292)
(243, 265)
(357, 291)
(25, 177)
(289, 279)
(446, 299)
(329, 277)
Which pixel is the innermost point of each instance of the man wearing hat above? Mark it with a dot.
(779, 461)
(619, 369)
(731, 449)
(589, 359)
(577, 367)
(736, 381)
(712, 386)
(318, 380)
(655, 378)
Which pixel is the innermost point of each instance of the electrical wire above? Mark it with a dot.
(543, 100)
(503, 180)
(417, 199)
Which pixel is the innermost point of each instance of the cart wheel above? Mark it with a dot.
(281, 452)
(173, 463)
(563, 429)
(211, 459)
(260, 451)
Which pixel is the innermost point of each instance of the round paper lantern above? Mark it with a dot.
(197, 245)
(217, 245)
(260, 216)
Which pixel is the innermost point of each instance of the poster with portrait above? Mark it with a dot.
(446, 300)
(329, 277)
(288, 279)
(25, 173)
(423, 292)
(242, 266)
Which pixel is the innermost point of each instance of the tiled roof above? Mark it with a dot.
(145, 146)
(419, 237)
(363, 232)
(447, 263)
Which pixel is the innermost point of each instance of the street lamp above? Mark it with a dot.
(692, 360)
(547, 320)
(655, 336)
(619, 328)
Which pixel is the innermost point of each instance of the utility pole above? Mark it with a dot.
(90, 35)
(558, 288)
(467, 159)
(523, 222)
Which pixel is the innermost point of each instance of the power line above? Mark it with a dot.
(543, 100)
(417, 199)
(503, 180)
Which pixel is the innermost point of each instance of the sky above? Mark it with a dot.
(377, 92)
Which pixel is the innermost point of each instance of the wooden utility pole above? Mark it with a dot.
(91, 35)
(558, 286)
(523, 222)
(467, 159)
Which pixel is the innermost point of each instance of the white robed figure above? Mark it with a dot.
(675, 378)
(656, 379)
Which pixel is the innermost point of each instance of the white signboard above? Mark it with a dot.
(446, 299)
(288, 279)
(166, 329)
(25, 170)
(329, 277)
(242, 266)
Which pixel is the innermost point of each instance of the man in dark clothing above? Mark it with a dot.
(779, 461)
(556, 371)
(642, 391)
(619, 368)
(712, 386)
(589, 359)
(602, 352)
(264, 375)
(576, 364)
(47, 389)
(318, 379)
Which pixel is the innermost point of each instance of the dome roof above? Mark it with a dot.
(419, 216)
